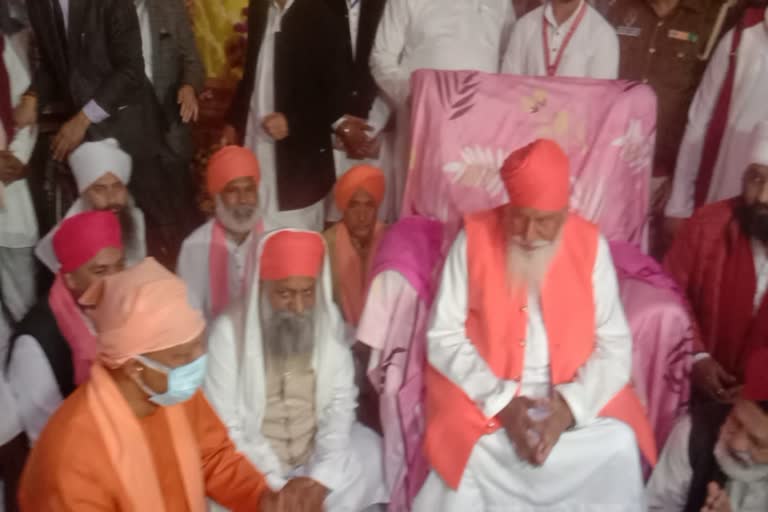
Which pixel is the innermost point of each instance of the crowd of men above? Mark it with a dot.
(154, 360)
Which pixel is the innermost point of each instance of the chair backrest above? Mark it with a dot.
(465, 123)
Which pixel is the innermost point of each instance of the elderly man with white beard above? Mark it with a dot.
(216, 259)
(716, 458)
(102, 172)
(529, 360)
(281, 377)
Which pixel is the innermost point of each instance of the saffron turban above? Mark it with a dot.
(759, 154)
(139, 310)
(291, 253)
(228, 164)
(756, 376)
(538, 176)
(79, 238)
(364, 177)
(92, 160)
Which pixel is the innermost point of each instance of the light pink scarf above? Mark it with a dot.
(218, 263)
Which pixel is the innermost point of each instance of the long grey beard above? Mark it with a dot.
(527, 269)
(287, 335)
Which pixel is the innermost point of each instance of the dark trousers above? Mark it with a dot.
(13, 455)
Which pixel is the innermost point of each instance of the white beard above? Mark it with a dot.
(236, 222)
(528, 267)
(738, 469)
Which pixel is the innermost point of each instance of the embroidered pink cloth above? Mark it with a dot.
(663, 336)
(464, 124)
(394, 324)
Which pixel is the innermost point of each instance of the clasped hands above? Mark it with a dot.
(353, 135)
(534, 440)
(298, 495)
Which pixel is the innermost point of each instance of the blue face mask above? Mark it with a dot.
(183, 381)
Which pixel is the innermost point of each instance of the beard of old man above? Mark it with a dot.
(285, 334)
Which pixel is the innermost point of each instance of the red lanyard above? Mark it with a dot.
(552, 66)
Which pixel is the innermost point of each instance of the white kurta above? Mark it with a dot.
(748, 107)
(592, 52)
(257, 140)
(194, 266)
(378, 117)
(433, 34)
(134, 253)
(593, 466)
(670, 482)
(346, 457)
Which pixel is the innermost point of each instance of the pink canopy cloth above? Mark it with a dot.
(394, 325)
(464, 124)
(663, 332)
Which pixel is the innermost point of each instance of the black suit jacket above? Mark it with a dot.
(99, 57)
(363, 89)
(311, 81)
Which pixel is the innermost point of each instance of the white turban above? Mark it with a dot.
(759, 154)
(92, 160)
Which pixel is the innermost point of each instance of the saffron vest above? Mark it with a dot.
(496, 325)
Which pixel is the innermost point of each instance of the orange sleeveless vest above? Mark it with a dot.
(496, 325)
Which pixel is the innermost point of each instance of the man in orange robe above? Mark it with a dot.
(352, 242)
(528, 399)
(139, 436)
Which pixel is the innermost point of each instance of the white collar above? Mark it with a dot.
(549, 15)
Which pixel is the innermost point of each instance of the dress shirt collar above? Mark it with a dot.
(549, 15)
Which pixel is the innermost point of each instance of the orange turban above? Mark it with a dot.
(364, 177)
(142, 309)
(538, 176)
(228, 164)
(291, 253)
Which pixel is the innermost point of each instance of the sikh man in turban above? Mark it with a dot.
(139, 435)
(352, 242)
(720, 260)
(217, 257)
(716, 458)
(54, 346)
(102, 172)
(529, 360)
(281, 377)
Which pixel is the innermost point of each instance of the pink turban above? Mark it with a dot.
(364, 177)
(292, 253)
(756, 376)
(79, 238)
(538, 176)
(142, 309)
(228, 164)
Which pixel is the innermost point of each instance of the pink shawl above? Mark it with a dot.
(218, 263)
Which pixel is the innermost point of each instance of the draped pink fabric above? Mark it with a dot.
(394, 324)
(464, 125)
(218, 263)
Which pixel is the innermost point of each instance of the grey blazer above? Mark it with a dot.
(175, 62)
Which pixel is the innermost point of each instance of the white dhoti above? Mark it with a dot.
(591, 469)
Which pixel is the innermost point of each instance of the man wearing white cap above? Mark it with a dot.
(102, 172)
(720, 260)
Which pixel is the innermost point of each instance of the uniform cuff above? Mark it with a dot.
(94, 112)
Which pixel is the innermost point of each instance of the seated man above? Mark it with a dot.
(216, 258)
(102, 172)
(530, 360)
(53, 347)
(352, 242)
(139, 436)
(720, 260)
(281, 377)
(716, 459)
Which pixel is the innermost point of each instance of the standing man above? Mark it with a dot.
(102, 173)
(729, 103)
(563, 38)
(433, 34)
(363, 101)
(530, 359)
(720, 260)
(293, 90)
(54, 345)
(281, 378)
(216, 259)
(665, 44)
